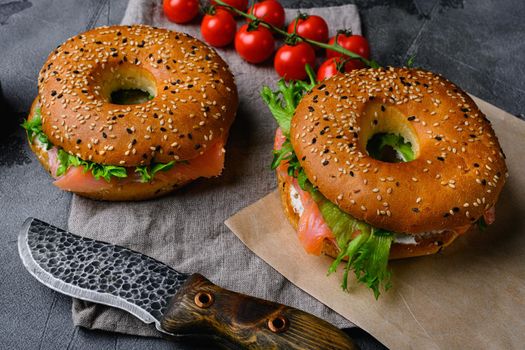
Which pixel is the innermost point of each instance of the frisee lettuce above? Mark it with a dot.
(366, 248)
(284, 100)
(148, 172)
(106, 172)
(33, 128)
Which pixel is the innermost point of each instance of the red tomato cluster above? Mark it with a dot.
(256, 44)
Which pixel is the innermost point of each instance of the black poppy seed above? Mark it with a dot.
(197, 146)
(129, 131)
(455, 209)
(314, 140)
(104, 135)
(79, 141)
(476, 165)
(415, 210)
(163, 129)
(303, 158)
(483, 182)
(325, 162)
(383, 108)
(375, 122)
(411, 118)
(321, 87)
(438, 138)
(441, 159)
(53, 93)
(159, 60)
(190, 136)
(133, 142)
(351, 173)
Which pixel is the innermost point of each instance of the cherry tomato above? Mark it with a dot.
(327, 69)
(218, 29)
(334, 65)
(270, 11)
(241, 5)
(254, 45)
(181, 11)
(310, 27)
(355, 43)
(290, 61)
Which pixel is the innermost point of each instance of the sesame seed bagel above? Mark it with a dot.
(121, 190)
(426, 245)
(459, 168)
(194, 96)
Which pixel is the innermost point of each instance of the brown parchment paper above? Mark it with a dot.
(472, 296)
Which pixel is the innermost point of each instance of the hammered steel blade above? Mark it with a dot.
(97, 271)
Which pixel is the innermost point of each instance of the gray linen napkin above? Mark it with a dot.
(186, 230)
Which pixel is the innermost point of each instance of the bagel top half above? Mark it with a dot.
(459, 168)
(194, 98)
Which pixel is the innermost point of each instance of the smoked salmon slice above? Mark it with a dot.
(312, 229)
(209, 164)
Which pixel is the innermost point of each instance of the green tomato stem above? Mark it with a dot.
(336, 47)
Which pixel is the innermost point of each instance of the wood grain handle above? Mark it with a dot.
(202, 308)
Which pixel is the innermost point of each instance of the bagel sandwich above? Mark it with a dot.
(381, 164)
(131, 112)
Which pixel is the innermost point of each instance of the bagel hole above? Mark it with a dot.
(128, 84)
(129, 96)
(388, 134)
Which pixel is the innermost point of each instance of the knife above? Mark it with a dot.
(179, 304)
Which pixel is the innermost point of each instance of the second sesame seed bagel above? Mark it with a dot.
(459, 168)
(193, 96)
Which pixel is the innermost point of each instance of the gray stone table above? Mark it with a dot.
(478, 44)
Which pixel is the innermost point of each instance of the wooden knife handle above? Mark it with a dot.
(202, 308)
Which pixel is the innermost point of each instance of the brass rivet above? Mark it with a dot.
(278, 324)
(203, 299)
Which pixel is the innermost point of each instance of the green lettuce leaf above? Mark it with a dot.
(34, 129)
(147, 172)
(284, 100)
(367, 253)
(67, 160)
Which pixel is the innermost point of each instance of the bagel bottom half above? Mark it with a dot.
(426, 245)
